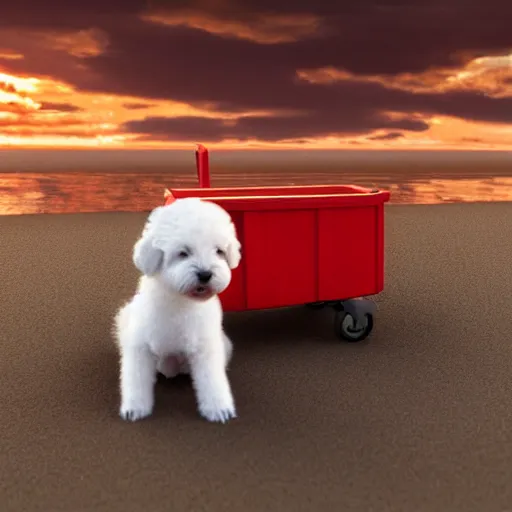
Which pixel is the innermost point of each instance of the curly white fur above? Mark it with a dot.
(173, 324)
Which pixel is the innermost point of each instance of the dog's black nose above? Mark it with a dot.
(204, 276)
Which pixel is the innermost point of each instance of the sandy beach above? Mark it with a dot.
(417, 418)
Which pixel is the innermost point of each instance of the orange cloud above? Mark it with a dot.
(82, 43)
(76, 43)
(6, 54)
(38, 112)
(47, 53)
(259, 28)
(490, 75)
(13, 95)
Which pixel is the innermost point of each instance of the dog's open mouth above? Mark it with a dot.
(201, 292)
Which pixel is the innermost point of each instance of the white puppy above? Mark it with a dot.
(174, 322)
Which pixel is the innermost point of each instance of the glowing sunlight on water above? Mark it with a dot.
(30, 193)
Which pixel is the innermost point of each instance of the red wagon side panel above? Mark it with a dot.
(348, 252)
(280, 258)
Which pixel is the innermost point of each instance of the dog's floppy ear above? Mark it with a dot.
(234, 251)
(146, 257)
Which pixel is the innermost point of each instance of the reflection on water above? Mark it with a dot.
(30, 193)
(437, 191)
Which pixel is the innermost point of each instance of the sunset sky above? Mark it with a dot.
(256, 73)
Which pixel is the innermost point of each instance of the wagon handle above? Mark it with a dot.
(203, 166)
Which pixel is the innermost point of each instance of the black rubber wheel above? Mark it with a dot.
(347, 330)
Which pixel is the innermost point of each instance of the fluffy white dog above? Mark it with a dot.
(173, 324)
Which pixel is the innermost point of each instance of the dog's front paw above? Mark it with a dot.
(218, 415)
(135, 410)
(218, 410)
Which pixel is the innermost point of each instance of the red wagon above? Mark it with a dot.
(320, 245)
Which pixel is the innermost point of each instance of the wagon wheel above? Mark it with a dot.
(348, 329)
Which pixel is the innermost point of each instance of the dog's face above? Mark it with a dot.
(190, 246)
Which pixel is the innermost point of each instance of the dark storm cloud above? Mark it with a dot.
(55, 14)
(137, 106)
(345, 109)
(155, 61)
(261, 128)
(387, 136)
(197, 67)
(61, 107)
(160, 62)
(179, 129)
(367, 36)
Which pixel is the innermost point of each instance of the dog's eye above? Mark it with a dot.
(221, 253)
(182, 255)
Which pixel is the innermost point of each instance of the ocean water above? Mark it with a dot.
(64, 181)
